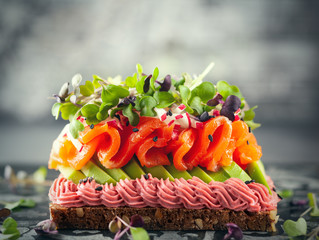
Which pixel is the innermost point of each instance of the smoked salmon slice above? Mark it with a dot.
(227, 157)
(151, 151)
(184, 143)
(131, 139)
(211, 143)
(88, 134)
(249, 151)
(57, 147)
(240, 132)
(65, 153)
(109, 145)
(77, 159)
(217, 143)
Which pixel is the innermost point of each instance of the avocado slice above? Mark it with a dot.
(256, 172)
(200, 173)
(159, 172)
(71, 174)
(220, 176)
(176, 173)
(133, 169)
(116, 173)
(92, 170)
(235, 171)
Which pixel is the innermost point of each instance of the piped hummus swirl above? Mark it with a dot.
(191, 194)
(88, 194)
(65, 192)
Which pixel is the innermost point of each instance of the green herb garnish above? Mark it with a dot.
(286, 193)
(299, 227)
(9, 229)
(295, 228)
(22, 203)
(139, 233)
(313, 204)
(99, 99)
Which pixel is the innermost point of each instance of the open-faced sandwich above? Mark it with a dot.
(178, 151)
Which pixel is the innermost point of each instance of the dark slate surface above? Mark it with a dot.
(301, 179)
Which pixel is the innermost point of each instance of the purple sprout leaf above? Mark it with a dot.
(146, 86)
(204, 117)
(233, 232)
(46, 227)
(301, 202)
(215, 101)
(166, 84)
(230, 106)
(58, 98)
(137, 221)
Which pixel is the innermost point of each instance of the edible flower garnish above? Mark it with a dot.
(133, 226)
(233, 232)
(46, 227)
(142, 95)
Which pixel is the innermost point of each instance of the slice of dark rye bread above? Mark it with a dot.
(98, 217)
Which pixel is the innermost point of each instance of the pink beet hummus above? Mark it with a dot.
(232, 194)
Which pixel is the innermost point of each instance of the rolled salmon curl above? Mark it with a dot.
(184, 143)
(109, 142)
(240, 132)
(55, 158)
(213, 141)
(151, 151)
(248, 151)
(131, 139)
(65, 153)
(227, 157)
(210, 143)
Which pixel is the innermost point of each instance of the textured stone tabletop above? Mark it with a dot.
(300, 179)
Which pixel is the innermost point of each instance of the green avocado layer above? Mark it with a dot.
(133, 170)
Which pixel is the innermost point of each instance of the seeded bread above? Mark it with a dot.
(163, 219)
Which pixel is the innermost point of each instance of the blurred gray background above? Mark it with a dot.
(268, 48)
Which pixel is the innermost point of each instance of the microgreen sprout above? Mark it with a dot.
(22, 203)
(299, 227)
(133, 227)
(140, 94)
(46, 227)
(313, 204)
(285, 193)
(231, 105)
(233, 232)
(9, 229)
(295, 228)
(166, 84)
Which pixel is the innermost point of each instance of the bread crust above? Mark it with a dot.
(98, 217)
